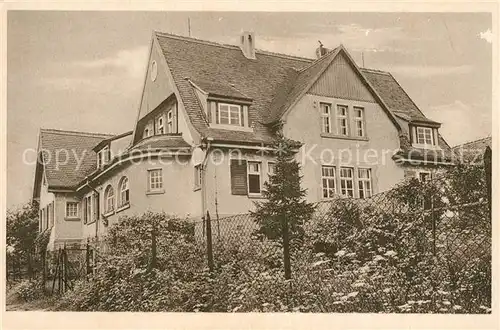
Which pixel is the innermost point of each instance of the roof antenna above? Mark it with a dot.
(363, 58)
(189, 26)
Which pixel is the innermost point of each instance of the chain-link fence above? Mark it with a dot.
(420, 247)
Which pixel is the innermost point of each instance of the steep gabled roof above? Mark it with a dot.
(473, 150)
(68, 156)
(201, 61)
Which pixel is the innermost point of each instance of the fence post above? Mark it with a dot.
(286, 248)
(153, 249)
(487, 169)
(210, 252)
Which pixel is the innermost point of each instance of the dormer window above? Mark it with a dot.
(170, 122)
(424, 136)
(160, 126)
(229, 114)
(103, 157)
(146, 133)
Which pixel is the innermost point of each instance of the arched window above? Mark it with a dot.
(109, 199)
(124, 192)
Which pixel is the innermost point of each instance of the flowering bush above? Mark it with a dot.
(27, 290)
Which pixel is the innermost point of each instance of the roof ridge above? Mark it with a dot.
(229, 46)
(376, 71)
(473, 141)
(322, 58)
(80, 133)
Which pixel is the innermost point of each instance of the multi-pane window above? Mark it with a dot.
(328, 181)
(271, 168)
(197, 176)
(230, 114)
(342, 120)
(88, 209)
(103, 156)
(254, 171)
(109, 199)
(124, 192)
(160, 129)
(359, 122)
(424, 176)
(155, 179)
(347, 181)
(326, 126)
(364, 182)
(170, 121)
(424, 136)
(71, 210)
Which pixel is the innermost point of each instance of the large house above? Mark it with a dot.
(207, 117)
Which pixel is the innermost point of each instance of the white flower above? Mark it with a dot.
(340, 253)
(390, 253)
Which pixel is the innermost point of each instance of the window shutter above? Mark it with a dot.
(209, 111)
(216, 112)
(96, 208)
(84, 209)
(238, 177)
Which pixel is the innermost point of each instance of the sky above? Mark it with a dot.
(84, 70)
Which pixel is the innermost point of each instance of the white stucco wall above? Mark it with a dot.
(303, 123)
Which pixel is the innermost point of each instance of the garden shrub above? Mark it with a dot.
(27, 290)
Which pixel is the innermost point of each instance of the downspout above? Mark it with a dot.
(204, 179)
(98, 211)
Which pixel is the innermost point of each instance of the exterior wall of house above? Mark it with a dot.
(304, 124)
(118, 146)
(66, 229)
(155, 92)
(218, 182)
(177, 197)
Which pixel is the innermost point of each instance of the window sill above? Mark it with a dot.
(71, 219)
(232, 127)
(155, 192)
(123, 207)
(426, 146)
(343, 137)
(256, 196)
(108, 213)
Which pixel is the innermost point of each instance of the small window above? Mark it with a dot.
(347, 181)
(109, 199)
(146, 133)
(359, 121)
(197, 177)
(155, 179)
(71, 210)
(342, 122)
(328, 181)
(424, 176)
(325, 117)
(364, 182)
(271, 168)
(160, 129)
(424, 136)
(170, 122)
(254, 172)
(124, 192)
(230, 114)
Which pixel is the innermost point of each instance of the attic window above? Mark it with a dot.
(424, 136)
(229, 114)
(103, 157)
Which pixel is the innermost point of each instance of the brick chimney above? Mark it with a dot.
(321, 51)
(247, 44)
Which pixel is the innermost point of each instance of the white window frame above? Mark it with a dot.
(229, 108)
(359, 120)
(160, 125)
(250, 171)
(197, 177)
(365, 190)
(419, 175)
(123, 192)
(155, 182)
(343, 191)
(170, 121)
(89, 207)
(326, 120)
(109, 201)
(424, 130)
(328, 181)
(71, 215)
(340, 118)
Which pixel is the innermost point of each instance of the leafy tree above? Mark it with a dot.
(285, 210)
(22, 229)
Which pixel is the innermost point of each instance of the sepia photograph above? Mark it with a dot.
(243, 162)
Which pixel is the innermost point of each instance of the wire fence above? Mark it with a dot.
(420, 247)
